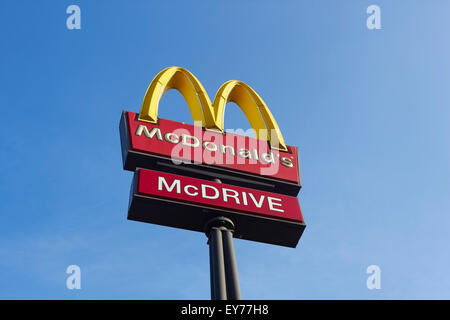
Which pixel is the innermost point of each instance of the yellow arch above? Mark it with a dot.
(254, 108)
(212, 115)
(187, 84)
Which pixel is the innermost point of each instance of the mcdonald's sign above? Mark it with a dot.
(177, 165)
(204, 150)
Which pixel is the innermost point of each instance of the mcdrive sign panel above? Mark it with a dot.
(188, 203)
(207, 154)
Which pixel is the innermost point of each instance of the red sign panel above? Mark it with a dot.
(189, 203)
(218, 195)
(191, 144)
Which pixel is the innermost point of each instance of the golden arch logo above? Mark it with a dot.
(211, 115)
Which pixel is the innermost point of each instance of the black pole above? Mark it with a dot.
(223, 268)
(218, 270)
(211, 267)
(231, 272)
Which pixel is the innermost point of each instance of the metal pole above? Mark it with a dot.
(218, 266)
(211, 268)
(223, 268)
(232, 277)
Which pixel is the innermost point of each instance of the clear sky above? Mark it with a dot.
(368, 109)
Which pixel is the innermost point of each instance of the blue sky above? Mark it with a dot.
(368, 109)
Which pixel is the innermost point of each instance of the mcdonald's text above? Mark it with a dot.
(187, 144)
